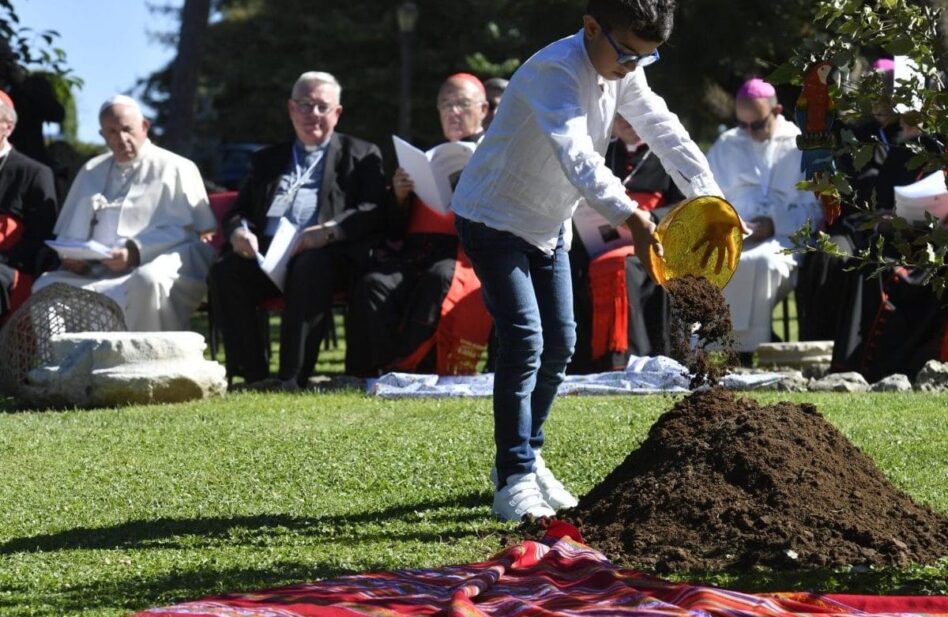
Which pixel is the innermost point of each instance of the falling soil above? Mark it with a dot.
(724, 483)
(699, 312)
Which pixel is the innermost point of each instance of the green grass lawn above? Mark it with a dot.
(103, 512)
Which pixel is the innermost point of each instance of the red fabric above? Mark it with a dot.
(610, 302)
(425, 220)
(221, 204)
(646, 201)
(463, 328)
(533, 580)
(19, 293)
(465, 324)
(11, 228)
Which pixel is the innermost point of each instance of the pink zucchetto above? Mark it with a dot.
(884, 65)
(756, 89)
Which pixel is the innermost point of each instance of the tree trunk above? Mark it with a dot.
(178, 135)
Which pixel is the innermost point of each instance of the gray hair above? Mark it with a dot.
(317, 77)
(120, 99)
(7, 113)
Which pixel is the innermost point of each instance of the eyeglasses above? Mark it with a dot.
(627, 57)
(305, 106)
(462, 105)
(756, 125)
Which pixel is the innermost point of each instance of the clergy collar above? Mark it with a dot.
(306, 150)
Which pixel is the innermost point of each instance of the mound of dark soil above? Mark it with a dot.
(724, 483)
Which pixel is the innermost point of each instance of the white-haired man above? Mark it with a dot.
(149, 205)
(330, 187)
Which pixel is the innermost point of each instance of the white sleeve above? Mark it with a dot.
(663, 132)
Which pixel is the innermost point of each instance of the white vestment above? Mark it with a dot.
(759, 179)
(157, 202)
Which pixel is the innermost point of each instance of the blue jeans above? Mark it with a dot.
(530, 296)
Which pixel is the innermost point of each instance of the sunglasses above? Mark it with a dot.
(756, 125)
(628, 57)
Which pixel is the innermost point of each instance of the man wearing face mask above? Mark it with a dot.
(330, 187)
(149, 206)
(757, 165)
(395, 309)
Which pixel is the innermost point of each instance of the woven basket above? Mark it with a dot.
(26, 338)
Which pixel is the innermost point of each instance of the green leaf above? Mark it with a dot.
(863, 156)
(842, 184)
(783, 74)
(900, 47)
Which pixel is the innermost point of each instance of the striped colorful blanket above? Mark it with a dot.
(534, 579)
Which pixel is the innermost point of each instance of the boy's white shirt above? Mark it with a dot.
(544, 149)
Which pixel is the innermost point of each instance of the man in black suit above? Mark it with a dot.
(28, 211)
(329, 186)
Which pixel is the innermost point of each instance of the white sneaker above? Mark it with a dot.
(520, 496)
(553, 491)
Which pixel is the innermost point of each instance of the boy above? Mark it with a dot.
(543, 152)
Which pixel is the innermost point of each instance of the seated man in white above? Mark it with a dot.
(757, 165)
(150, 206)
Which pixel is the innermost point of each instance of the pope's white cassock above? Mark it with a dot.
(759, 179)
(158, 202)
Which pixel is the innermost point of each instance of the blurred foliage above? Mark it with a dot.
(62, 87)
(32, 48)
(849, 30)
(256, 49)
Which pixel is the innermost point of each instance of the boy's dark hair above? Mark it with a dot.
(651, 20)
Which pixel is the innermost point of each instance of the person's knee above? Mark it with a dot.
(560, 347)
(144, 281)
(525, 347)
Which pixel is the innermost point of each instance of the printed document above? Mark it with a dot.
(435, 172)
(597, 235)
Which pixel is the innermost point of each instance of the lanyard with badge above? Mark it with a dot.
(285, 200)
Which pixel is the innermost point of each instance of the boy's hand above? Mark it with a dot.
(644, 240)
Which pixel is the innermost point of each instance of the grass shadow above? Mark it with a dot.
(136, 593)
(167, 532)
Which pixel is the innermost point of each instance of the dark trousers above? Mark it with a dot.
(393, 310)
(238, 286)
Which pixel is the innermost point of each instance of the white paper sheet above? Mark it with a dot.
(88, 250)
(434, 172)
(279, 252)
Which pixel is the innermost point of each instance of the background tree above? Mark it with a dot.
(256, 49)
(182, 93)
